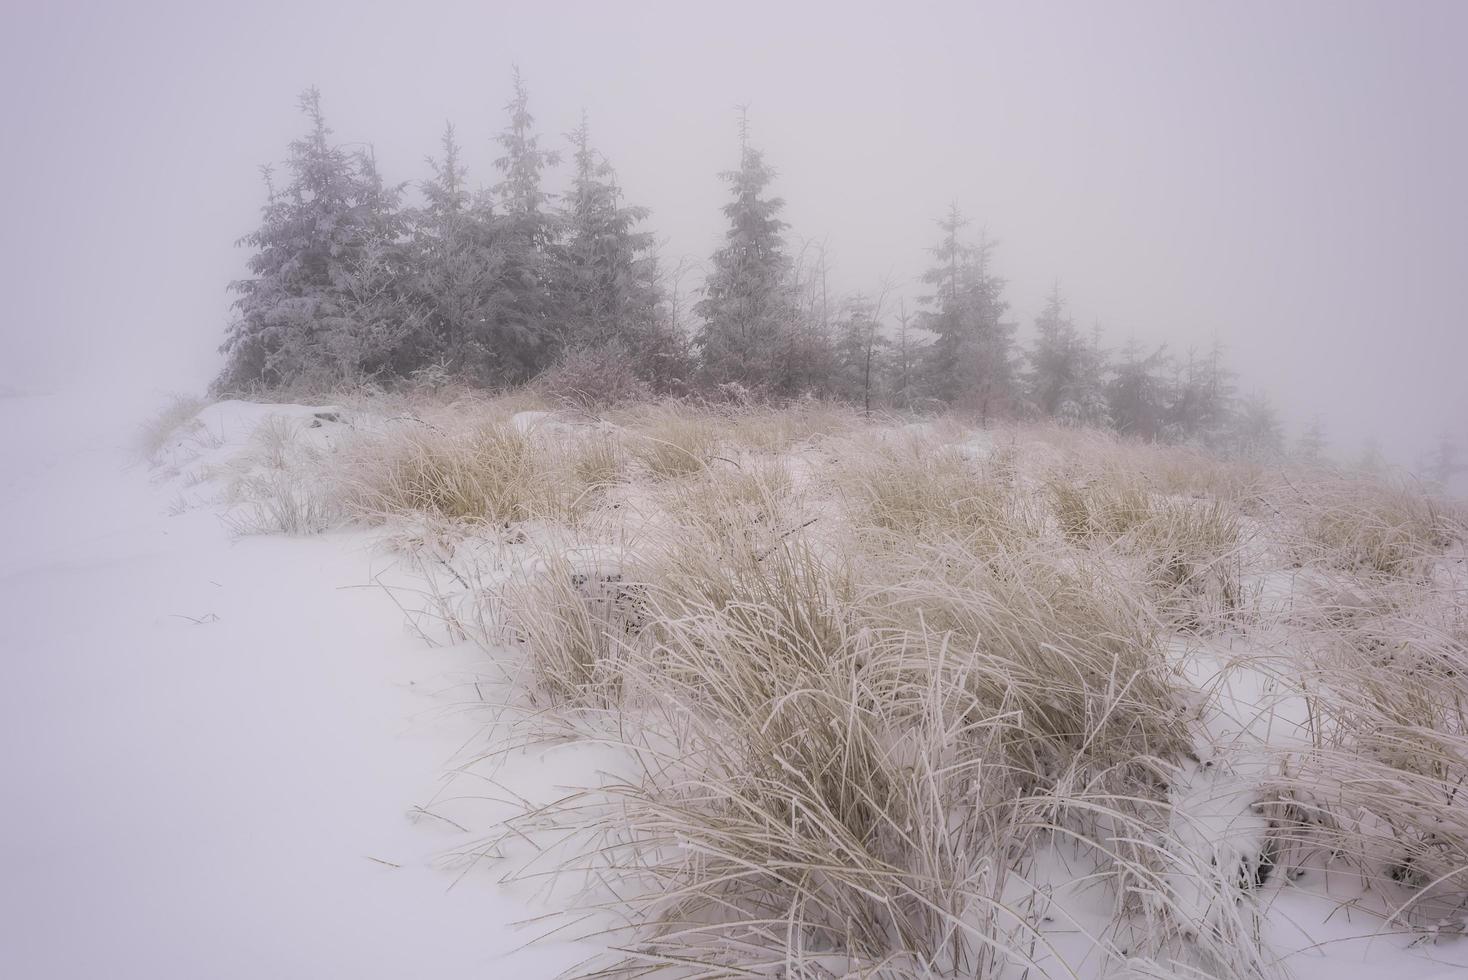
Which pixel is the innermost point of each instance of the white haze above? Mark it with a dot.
(1288, 177)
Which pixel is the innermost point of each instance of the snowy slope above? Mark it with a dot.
(213, 744)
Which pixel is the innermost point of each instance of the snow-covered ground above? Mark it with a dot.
(213, 744)
(216, 746)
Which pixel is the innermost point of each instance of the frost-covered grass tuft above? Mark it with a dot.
(180, 415)
(483, 470)
(1383, 666)
(916, 489)
(1385, 527)
(672, 443)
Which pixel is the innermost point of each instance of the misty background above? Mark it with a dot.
(1288, 178)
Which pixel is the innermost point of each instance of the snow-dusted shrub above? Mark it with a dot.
(594, 379)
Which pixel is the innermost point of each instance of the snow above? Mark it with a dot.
(214, 744)
(217, 745)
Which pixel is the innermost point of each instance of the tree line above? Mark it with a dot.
(497, 286)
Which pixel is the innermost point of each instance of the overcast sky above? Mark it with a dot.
(1287, 176)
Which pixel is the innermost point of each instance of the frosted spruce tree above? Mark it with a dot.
(861, 353)
(1445, 462)
(970, 361)
(1201, 402)
(906, 356)
(1137, 395)
(530, 324)
(610, 274)
(748, 309)
(325, 302)
(1257, 432)
(1066, 377)
(1311, 446)
(467, 329)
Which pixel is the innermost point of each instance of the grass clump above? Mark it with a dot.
(753, 502)
(1104, 508)
(154, 435)
(281, 484)
(572, 623)
(838, 771)
(1186, 552)
(773, 430)
(486, 472)
(598, 461)
(791, 818)
(1381, 783)
(920, 491)
(674, 444)
(1381, 528)
(1062, 642)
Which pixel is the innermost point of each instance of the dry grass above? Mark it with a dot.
(177, 417)
(793, 825)
(1061, 641)
(485, 472)
(868, 676)
(1383, 668)
(282, 502)
(779, 430)
(918, 490)
(752, 503)
(1188, 552)
(1106, 507)
(572, 622)
(597, 461)
(674, 443)
(840, 769)
(1389, 528)
(281, 483)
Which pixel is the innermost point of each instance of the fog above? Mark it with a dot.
(1287, 178)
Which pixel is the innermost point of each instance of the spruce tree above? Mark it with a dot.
(970, 362)
(528, 234)
(1201, 400)
(748, 309)
(609, 287)
(466, 326)
(1065, 379)
(326, 300)
(1445, 461)
(1137, 394)
(1371, 460)
(1258, 434)
(1310, 448)
(906, 355)
(860, 354)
